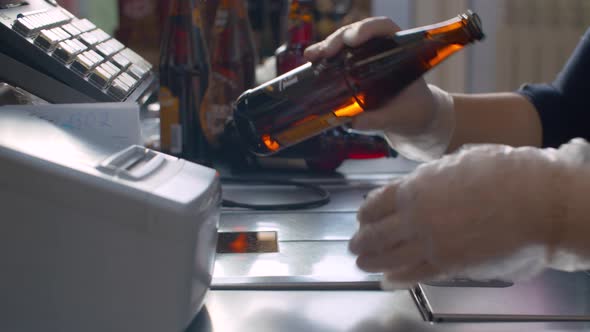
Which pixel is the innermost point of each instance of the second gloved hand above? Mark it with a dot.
(418, 122)
(486, 212)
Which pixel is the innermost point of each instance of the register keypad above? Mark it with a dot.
(121, 61)
(102, 75)
(94, 37)
(87, 61)
(137, 71)
(68, 49)
(83, 25)
(48, 39)
(85, 49)
(71, 29)
(31, 24)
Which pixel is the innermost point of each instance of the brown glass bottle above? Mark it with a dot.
(233, 66)
(316, 97)
(328, 150)
(184, 73)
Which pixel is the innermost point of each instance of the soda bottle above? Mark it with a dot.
(316, 97)
(233, 67)
(184, 74)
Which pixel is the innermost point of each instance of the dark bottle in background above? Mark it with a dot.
(138, 19)
(184, 74)
(316, 97)
(267, 18)
(278, 11)
(233, 67)
(300, 34)
(249, 51)
(208, 15)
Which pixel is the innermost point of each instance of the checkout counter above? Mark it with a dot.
(304, 279)
(312, 284)
(300, 276)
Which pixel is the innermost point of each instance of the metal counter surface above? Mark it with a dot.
(312, 244)
(327, 311)
(312, 283)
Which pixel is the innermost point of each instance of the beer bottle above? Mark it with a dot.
(327, 151)
(233, 67)
(316, 97)
(184, 74)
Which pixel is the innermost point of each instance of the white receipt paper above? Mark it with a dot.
(111, 125)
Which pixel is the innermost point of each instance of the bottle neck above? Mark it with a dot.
(230, 12)
(300, 27)
(461, 30)
(432, 43)
(184, 32)
(406, 56)
(228, 41)
(182, 9)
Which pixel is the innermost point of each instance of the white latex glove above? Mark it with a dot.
(486, 212)
(419, 122)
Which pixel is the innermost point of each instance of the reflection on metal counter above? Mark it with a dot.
(94, 238)
(313, 255)
(311, 244)
(552, 296)
(246, 242)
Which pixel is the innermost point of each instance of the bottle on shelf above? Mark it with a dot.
(314, 98)
(233, 67)
(184, 75)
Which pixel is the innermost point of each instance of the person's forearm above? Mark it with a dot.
(501, 118)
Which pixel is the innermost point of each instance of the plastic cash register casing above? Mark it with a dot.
(96, 241)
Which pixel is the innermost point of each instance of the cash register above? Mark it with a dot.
(96, 233)
(61, 58)
(99, 237)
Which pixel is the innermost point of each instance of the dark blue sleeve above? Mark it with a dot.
(564, 105)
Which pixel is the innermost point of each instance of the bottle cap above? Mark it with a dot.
(473, 24)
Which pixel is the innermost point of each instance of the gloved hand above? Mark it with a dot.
(418, 122)
(486, 212)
